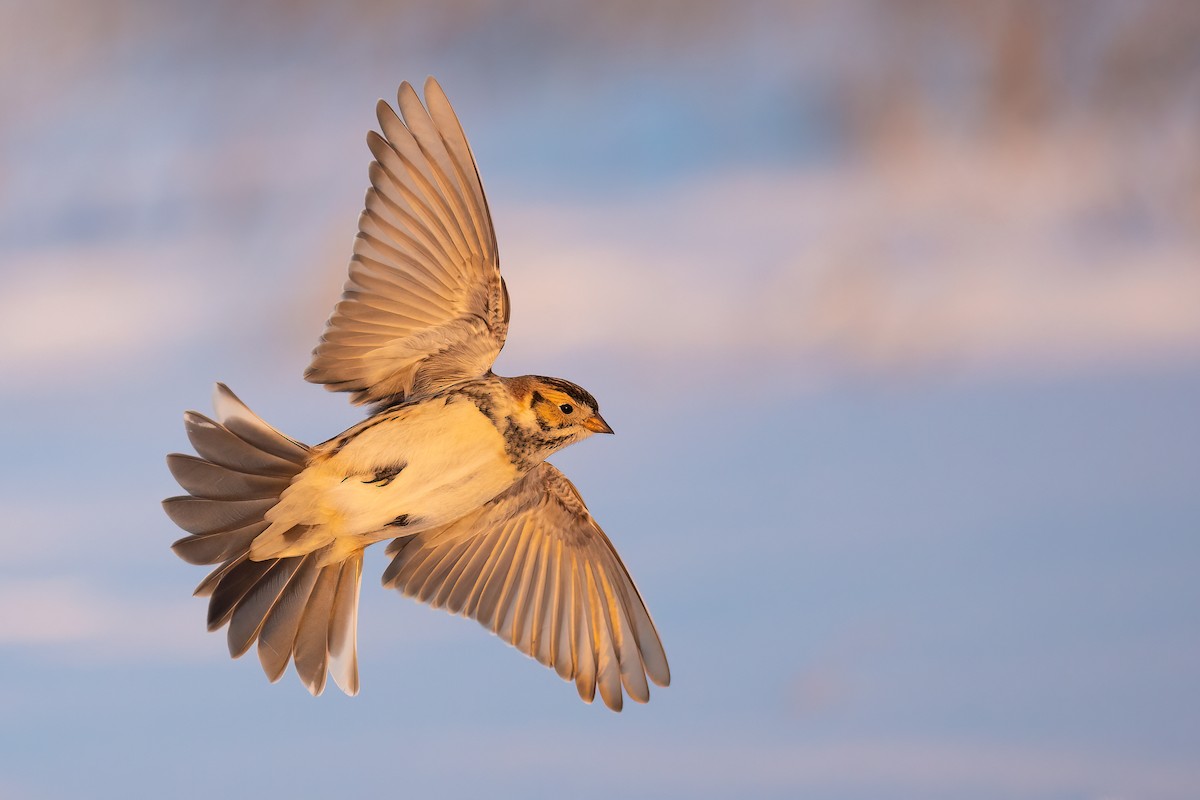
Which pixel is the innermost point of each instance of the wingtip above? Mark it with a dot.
(638, 694)
(610, 692)
(406, 89)
(376, 140)
(660, 678)
(383, 112)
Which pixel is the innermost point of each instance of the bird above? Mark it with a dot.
(449, 466)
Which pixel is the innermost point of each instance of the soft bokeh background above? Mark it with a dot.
(895, 307)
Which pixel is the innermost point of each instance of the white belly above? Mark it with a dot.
(452, 461)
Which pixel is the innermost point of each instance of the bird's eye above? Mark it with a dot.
(566, 408)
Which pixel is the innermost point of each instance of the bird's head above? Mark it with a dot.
(554, 412)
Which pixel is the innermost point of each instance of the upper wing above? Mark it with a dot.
(425, 305)
(533, 567)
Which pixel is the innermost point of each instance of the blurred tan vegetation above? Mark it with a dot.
(901, 73)
(919, 181)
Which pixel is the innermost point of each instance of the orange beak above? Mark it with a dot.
(596, 424)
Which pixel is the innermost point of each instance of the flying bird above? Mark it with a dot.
(450, 465)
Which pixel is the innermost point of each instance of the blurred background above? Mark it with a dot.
(895, 307)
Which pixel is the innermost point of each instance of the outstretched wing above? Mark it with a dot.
(425, 305)
(533, 567)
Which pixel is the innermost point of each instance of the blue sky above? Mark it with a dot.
(894, 315)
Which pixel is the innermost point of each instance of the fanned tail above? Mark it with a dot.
(296, 609)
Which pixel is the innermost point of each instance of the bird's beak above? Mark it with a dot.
(596, 424)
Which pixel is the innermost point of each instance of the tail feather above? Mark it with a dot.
(232, 589)
(201, 478)
(259, 603)
(244, 423)
(219, 547)
(277, 638)
(343, 626)
(296, 609)
(220, 445)
(311, 651)
(200, 516)
(207, 586)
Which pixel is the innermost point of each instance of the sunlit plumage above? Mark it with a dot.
(450, 466)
